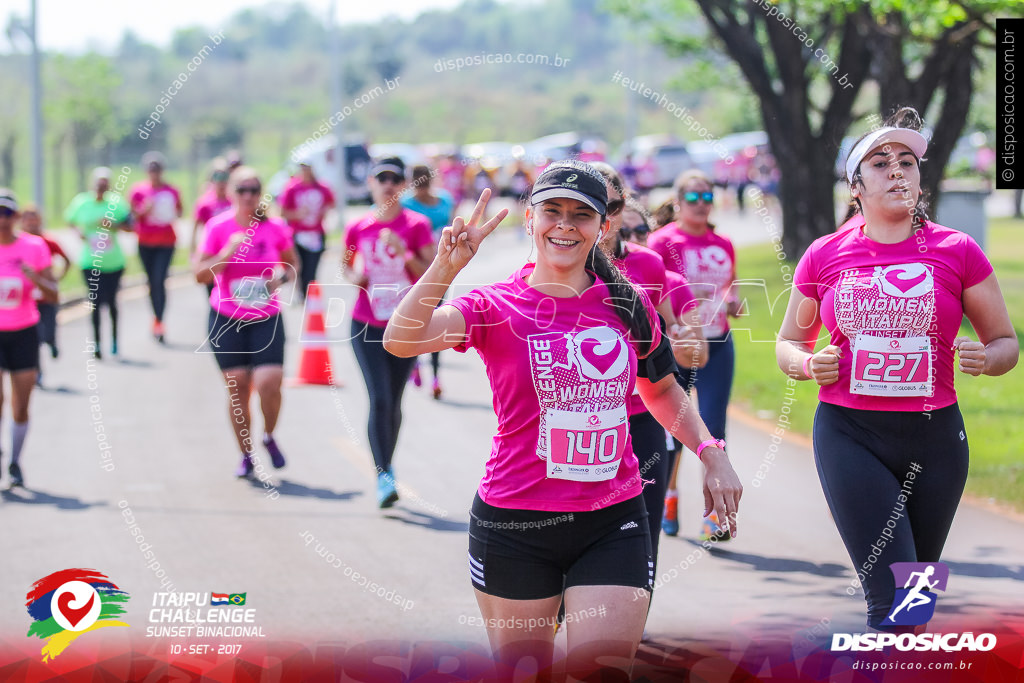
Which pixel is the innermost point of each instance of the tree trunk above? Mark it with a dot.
(806, 195)
(7, 160)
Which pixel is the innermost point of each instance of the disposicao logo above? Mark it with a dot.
(916, 583)
(914, 604)
(68, 603)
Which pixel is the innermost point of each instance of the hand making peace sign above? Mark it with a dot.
(461, 240)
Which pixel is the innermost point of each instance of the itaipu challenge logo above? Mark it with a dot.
(68, 603)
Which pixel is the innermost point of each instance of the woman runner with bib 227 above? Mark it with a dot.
(892, 288)
(559, 507)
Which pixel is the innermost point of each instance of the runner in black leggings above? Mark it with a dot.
(394, 246)
(892, 288)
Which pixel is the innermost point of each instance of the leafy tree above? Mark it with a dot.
(81, 92)
(808, 61)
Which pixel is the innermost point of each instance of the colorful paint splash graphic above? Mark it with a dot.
(68, 603)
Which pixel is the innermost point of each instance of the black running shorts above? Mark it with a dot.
(532, 554)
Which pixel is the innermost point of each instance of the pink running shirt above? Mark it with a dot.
(894, 311)
(309, 199)
(157, 228)
(389, 279)
(708, 262)
(240, 289)
(561, 370)
(17, 293)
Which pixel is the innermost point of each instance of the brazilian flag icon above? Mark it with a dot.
(237, 598)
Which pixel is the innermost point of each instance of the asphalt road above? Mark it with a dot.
(171, 457)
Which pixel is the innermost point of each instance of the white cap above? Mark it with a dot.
(917, 143)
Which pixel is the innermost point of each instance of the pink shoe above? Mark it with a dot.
(436, 387)
(415, 377)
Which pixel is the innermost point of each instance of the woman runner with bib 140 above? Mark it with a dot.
(559, 508)
(892, 288)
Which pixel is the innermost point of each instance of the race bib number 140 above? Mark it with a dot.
(586, 446)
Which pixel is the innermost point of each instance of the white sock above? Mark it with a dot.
(19, 430)
(671, 493)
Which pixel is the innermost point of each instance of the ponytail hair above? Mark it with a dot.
(626, 300)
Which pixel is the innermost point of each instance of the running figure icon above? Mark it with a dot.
(915, 598)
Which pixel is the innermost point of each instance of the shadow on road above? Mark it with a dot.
(986, 571)
(422, 519)
(778, 564)
(34, 497)
(289, 488)
(60, 390)
(132, 363)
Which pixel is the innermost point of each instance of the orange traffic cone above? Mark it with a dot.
(315, 361)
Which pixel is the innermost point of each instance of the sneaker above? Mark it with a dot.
(415, 376)
(710, 529)
(113, 348)
(245, 467)
(386, 493)
(276, 456)
(54, 351)
(436, 387)
(670, 520)
(158, 331)
(15, 471)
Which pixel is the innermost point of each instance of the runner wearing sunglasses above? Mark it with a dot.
(646, 269)
(248, 255)
(385, 252)
(690, 247)
(635, 227)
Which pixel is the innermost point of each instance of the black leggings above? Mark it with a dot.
(157, 261)
(385, 376)
(651, 448)
(867, 460)
(309, 261)
(102, 291)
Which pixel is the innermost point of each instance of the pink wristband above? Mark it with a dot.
(807, 366)
(710, 442)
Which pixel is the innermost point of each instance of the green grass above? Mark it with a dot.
(991, 405)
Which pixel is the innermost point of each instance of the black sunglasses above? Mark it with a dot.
(247, 189)
(6, 211)
(614, 207)
(389, 177)
(640, 229)
(694, 197)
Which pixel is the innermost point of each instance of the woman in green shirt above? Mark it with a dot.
(96, 216)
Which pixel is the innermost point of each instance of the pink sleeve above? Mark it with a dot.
(350, 236)
(421, 235)
(213, 242)
(284, 238)
(42, 255)
(288, 197)
(806, 276)
(976, 265)
(474, 308)
(328, 195)
(681, 296)
(136, 197)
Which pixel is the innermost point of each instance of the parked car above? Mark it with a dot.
(658, 158)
